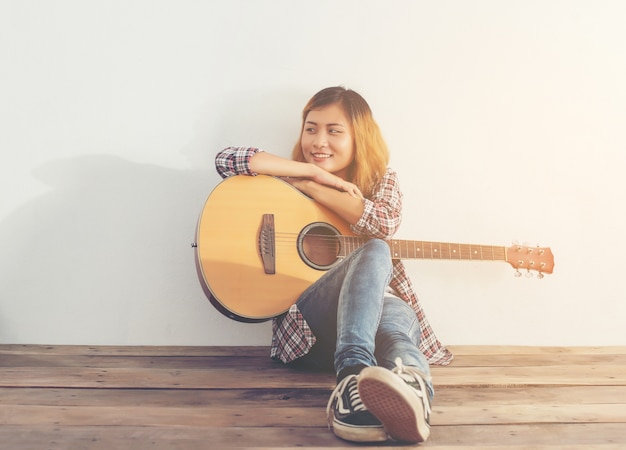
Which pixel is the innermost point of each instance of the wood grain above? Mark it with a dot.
(91, 397)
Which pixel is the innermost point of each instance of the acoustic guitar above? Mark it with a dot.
(260, 243)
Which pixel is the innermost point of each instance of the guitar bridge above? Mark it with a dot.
(267, 244)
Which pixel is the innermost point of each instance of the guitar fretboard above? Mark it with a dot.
(409, 249)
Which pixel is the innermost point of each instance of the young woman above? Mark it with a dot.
(362, 318)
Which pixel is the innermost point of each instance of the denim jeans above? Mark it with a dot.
(355, 322)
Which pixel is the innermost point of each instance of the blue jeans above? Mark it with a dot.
(355, 322)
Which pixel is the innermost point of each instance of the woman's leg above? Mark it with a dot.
(399, 398)
(398, 337)
(344, 307)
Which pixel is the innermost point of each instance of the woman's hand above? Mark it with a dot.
(350, 188)
(305, 185)
(328, 179)
(349, 207)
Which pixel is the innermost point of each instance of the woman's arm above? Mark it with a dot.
(235, 161)
(335, 193)
(347, 205)
(382, 212)
(254, 161)
(341, 196)
(269, 164)
(378, 216)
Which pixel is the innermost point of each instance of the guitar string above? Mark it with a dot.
(414, 249)
(356, 240)
(338, 246)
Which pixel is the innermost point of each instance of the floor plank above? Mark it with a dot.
(532, 436)
(111, 397)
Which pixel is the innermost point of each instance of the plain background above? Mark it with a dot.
(505, 120)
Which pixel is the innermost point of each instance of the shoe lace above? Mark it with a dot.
(336, 398)
(415, 378)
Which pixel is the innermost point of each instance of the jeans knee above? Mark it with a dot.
(399, 317)
(390, 338)
(379, 250)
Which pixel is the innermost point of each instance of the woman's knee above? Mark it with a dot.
(399, 317)
(378, 249)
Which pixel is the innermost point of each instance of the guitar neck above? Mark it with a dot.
(410, 249)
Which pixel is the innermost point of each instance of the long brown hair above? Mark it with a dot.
(371, 155)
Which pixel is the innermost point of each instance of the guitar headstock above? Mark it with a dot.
(538, 259)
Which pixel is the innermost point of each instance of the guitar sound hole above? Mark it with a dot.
(319, 245)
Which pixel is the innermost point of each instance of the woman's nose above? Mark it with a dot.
(320, 141)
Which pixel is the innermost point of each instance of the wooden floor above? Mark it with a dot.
(132, 398)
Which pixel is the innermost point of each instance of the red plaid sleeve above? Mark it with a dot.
(235, 161)
(383, 211)
(291, 336)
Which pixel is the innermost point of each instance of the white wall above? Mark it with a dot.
(505, 120)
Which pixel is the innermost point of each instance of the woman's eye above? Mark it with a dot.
(310, 130)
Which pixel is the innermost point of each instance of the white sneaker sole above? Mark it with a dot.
(360, 433)
(394, 403)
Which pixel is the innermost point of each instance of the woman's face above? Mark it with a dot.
(327, 140)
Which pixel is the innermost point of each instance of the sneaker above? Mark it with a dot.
(348, 416)
(399, 399)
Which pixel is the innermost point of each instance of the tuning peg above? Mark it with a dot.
(529, 274)
(540, 275)
(517, 273)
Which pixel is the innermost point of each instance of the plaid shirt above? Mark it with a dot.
(291, 335)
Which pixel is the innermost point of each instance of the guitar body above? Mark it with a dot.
(260, 243)
(228, 247)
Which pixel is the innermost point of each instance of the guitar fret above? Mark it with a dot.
(416, 253)
(445, 252)
(353, 243)
(457, 252)
(410, 249)
(396, 250)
